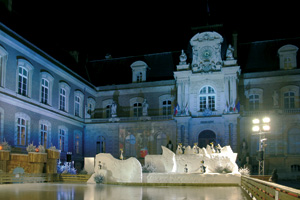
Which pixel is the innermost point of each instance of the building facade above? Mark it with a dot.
(209, 97)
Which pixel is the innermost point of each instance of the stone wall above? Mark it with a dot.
(31, 162)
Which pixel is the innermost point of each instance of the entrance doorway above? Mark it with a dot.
(206, 137)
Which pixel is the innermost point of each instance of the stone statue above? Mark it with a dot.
(275, 98)
(182, 58)
(229, 53)
(145, 106)
(113, 109)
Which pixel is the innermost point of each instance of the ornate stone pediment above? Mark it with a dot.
(206, 52)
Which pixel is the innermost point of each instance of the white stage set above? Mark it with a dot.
(195, 166)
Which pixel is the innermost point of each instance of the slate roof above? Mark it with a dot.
(118, 71)
(263, 55)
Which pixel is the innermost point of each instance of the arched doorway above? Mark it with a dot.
(206, 137)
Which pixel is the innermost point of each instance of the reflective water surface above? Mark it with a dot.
(45, 191)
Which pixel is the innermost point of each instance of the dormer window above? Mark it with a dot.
(139, 69)
(287, 57)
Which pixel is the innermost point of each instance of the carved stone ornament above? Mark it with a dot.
(206, 52)
(182, 58)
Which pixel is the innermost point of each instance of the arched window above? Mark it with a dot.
(207, 98)
(161, 140)
(46, 88)
(137, 109)
(100, 144)
(24, 77)
(130, 146)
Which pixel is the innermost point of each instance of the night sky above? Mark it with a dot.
(126, 29)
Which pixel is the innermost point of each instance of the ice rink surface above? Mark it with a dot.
(45, 191)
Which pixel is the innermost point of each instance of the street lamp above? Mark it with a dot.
(260, 127)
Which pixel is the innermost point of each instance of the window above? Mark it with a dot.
(100, 144)
(1, 124)
(294, 141)
(107, 111)
(254, 102)
(45, 91)
(139, 77)
(77, 142)
(77, 105)
(78, 101)
(22, 131)
(23, 81)
(45, 133)
(46, 88)
(161, 140)
(139, 69)
(63, 138)
(207, 98)
(64, 92)
(137, 109)
(62, 99)
(288, 57)
(289, 100)
(130, 150)
(295, 168)
(90, 107)
(24, 76)
(167, 107)
(3, 63)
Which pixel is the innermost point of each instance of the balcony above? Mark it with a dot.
(131, 119)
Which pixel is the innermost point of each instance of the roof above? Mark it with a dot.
(118, 71)
(263, 55)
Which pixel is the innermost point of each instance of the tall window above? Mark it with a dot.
(23, 81)
(100, 145)
(294, 141)
(21, 131)
(139, 77)
(289, 100)
(107, 111)
(64, 93)
(207, 98)
(167, 107)
(137, 109)
(45, 91)
(61, 138)
(62, 99)
(44, 135)
(3, 64)
(254, 102)
(77, 106)
(130, 150)
(161, 140)
(77, 144)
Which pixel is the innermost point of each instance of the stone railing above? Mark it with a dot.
(291, 111)
(259, 189)
(130, 119)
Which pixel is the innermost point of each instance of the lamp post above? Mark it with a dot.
(260, 127)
